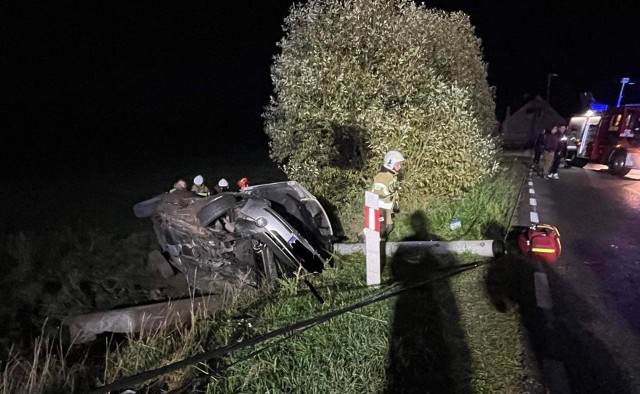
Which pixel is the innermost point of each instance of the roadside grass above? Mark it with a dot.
(483, 212)
(492, 337)
(476, 347)
(350, 353)
(166, 344)
(45, 370)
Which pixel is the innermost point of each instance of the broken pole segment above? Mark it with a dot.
(372, 237)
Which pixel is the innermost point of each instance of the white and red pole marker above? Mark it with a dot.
(372, 237)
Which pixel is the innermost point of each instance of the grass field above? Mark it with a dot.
(445, 334)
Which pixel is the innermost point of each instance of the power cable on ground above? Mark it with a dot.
(294, 328)
(515, 207)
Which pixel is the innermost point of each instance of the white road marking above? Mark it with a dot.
(543, 294)
(534, 217)
(555, 371)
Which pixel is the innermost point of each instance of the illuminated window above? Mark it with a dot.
(615, 122)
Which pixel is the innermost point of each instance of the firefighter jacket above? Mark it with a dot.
(385, 185)
(201, 190)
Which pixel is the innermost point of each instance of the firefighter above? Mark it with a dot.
(199, 187)
(386, 185)
(222, 186)
(180, 184)
(242, 183)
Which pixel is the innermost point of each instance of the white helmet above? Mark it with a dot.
(223, 183)
(198, 180)
(391, 158)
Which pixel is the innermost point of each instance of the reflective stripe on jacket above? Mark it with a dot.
(382, 187)
(201, 190)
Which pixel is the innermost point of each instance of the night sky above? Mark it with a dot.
(114, 80)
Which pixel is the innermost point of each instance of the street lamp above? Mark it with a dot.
(623, 81)
(549, 76)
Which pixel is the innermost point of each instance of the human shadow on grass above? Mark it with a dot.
(428, 351)
(590, 366)
(509, 282)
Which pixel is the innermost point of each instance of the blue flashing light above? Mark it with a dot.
(599, 107)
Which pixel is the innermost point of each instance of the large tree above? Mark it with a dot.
(356, 78)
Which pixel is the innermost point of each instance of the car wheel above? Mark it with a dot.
(617, 164)
(216, 209)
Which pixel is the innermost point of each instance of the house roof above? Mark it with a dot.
(527, 122)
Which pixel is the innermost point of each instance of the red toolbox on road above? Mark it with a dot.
(540, 242)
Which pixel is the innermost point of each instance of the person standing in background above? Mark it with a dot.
(538, 149)
(551, 148)
(560, 152)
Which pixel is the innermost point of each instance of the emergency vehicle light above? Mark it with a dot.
(599, 107)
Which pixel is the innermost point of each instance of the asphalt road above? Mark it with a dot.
(587, 339)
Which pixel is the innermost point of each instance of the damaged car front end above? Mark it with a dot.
(237, 239)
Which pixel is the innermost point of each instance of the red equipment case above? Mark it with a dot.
(540, 242)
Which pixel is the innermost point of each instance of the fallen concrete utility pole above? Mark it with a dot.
(85, 328)
(488, 248)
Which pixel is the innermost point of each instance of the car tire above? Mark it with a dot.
(216, 209)
(617, 164)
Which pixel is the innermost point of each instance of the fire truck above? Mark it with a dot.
(611, 138)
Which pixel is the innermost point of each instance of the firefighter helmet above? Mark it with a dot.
(243, 182)
(223, 183)
(391, 158)
(198, 180)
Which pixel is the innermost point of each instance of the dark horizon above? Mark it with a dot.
(104, 80)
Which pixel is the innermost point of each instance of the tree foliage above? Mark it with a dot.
(356, 78)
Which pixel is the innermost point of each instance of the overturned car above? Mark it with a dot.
(237, 239)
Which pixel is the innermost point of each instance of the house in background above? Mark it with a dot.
(520, 129)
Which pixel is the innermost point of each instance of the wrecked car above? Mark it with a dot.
(238, 238)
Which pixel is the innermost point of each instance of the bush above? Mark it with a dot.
(357, 78)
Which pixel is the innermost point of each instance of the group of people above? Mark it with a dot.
(200, 188)
(550, 148)
(385, 185)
